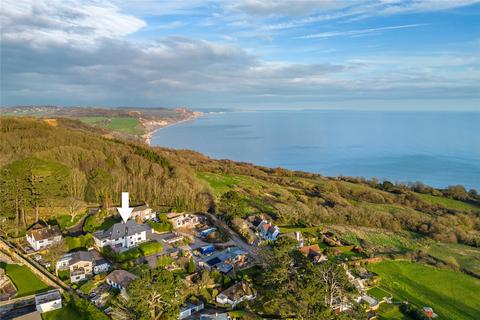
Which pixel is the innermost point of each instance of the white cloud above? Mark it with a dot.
(78, 23)
(357, 32)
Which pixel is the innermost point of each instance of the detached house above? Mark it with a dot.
(143, 213)
(123, 235)
(236, 294)
(268, 231)
(82, 264)
(182, 220)
(41, 235)
(314, 253)
(120, 279)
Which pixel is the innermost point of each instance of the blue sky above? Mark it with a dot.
(355, 54)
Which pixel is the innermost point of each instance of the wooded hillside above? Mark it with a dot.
(45, 162)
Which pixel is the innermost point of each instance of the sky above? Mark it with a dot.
(346, 54)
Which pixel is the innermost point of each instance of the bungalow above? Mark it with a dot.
(314, 253)
(122, 235)
(42, 235)
(182, 220)
(190, 308)
(224, 261)
(236, 294)
(48, 301)
(268, 231)
(372, 303)
(120, 279)
(172, 238)
(143, 213)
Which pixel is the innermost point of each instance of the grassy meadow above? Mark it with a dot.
(453, 295)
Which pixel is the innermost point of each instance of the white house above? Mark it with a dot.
(236, 294)
(123, 235)
(268, 231)
(190, 308)
(48, 301)
(143, 213)
(182, 220)
(42, 235)
(120, 279)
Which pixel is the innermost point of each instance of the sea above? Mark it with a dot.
(436, 148)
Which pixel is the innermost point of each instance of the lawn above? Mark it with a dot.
(66, 312)
(448, 203)
(391, 312)
(79, 242)
(25, 281)
(453, 295)
(465, 256)
(378, 293)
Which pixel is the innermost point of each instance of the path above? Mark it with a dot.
(77, 229)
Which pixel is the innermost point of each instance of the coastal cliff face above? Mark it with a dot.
(121, 122)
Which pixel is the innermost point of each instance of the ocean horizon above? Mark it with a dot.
(436, 148)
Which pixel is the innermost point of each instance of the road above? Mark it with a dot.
(239, 242)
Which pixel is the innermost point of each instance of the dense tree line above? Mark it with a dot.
(42, 164)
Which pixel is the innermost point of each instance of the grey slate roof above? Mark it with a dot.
(121, 277)
(121, 229)
(81, 256)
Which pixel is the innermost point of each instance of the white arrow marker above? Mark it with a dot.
(125, 211)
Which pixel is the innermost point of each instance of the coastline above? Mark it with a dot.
(147, 137)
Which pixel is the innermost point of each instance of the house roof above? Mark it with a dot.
(81, 256)
(313, 249)
(48, 296)
(238, 290)
(121, 277)
(42, 233)
(121, 229)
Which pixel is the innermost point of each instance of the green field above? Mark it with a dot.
(128, 125)
(24, 280)
(453, 295)
(448, 203)
(465, 256)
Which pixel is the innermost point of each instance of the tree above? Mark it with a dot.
(156, 294)
(334, 281)
(74, 205)
(191, 266)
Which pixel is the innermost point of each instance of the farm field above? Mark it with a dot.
(451, 294)
(465, 256)
(128, 125)
(24, 280)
